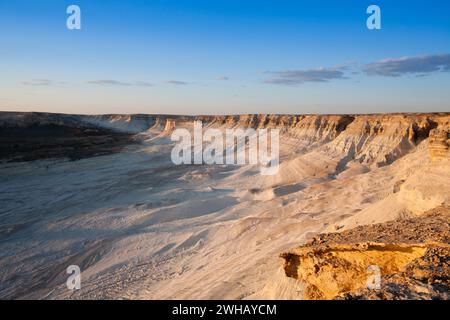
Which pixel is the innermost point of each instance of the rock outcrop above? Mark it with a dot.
(439, 145)
(411, 257)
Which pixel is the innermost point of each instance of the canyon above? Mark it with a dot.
(101, 192)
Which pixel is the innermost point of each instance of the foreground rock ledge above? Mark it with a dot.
(411, 254)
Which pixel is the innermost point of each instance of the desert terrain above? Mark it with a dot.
(101, 192)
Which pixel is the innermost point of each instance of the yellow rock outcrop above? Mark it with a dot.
(410, 256)
(439, 145)
(330, 271)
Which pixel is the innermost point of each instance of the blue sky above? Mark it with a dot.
(224, 57)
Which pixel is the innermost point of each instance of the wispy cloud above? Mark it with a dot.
(108, 83)
(37, 82)
(143, 84)
(421, 65)
(177, 83)
(295, 77)
(222, 78)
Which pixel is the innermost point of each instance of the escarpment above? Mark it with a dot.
(368, 139)
(381, 139)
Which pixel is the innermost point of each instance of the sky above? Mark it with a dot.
(224, 57)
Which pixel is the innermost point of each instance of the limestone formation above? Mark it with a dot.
(412, 256)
